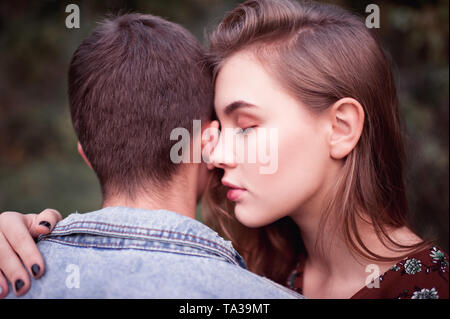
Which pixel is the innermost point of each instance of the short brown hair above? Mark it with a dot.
(131, 82)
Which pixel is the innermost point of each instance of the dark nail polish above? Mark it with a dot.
(46, 224)
(35, 269)
(19, 284)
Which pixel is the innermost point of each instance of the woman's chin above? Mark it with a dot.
(249, 217)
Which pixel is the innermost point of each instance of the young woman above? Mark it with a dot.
(334, 214)
(331, 221)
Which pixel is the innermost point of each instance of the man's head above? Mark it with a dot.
(134, 80)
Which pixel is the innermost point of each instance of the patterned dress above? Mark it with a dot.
(423, 275)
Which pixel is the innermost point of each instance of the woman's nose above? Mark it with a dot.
(223, 154)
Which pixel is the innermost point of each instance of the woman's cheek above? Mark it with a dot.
(287, 188)
(261, 205)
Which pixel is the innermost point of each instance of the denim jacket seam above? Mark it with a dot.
(135, 246)
(217, 247)
(60, 228)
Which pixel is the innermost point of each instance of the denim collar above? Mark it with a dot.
(149, 225)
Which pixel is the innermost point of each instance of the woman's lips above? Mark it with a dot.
(235, 192)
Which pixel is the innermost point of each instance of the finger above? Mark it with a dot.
(44, 222)
(16, 232)
(13, 268)
(4, 289)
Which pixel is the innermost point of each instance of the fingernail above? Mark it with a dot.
(19, 284)
(35, 269)
(45, 223)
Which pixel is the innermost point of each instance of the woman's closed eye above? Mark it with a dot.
(246, 130)
(246, 124)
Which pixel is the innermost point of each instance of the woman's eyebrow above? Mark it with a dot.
(230, 108)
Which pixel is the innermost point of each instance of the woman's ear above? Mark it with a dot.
(80, 150)
(347, 122)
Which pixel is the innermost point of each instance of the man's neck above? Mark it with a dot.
(178, 201)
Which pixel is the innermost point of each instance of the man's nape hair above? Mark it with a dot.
(134, 80)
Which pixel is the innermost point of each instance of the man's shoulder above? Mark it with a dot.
(73, 272)
(250, 284)
(120, 227)
(154, 254)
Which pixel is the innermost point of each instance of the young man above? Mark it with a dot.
(133, 81)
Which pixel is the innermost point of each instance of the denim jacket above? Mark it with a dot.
(120, 252)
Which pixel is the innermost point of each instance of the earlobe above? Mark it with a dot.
(80, 150)
(347, 118)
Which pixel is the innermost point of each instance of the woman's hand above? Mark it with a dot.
(17, 248)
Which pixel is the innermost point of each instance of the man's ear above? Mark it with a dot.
(80, 150)
(347, 122)
(210, 137)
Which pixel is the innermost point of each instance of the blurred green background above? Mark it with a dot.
(39, 164)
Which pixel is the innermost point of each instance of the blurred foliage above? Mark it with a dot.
(39, 164)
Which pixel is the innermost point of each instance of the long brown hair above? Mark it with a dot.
(320, 53)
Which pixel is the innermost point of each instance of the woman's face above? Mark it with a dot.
(298, 155)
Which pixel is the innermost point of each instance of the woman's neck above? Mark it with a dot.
(332, 268)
